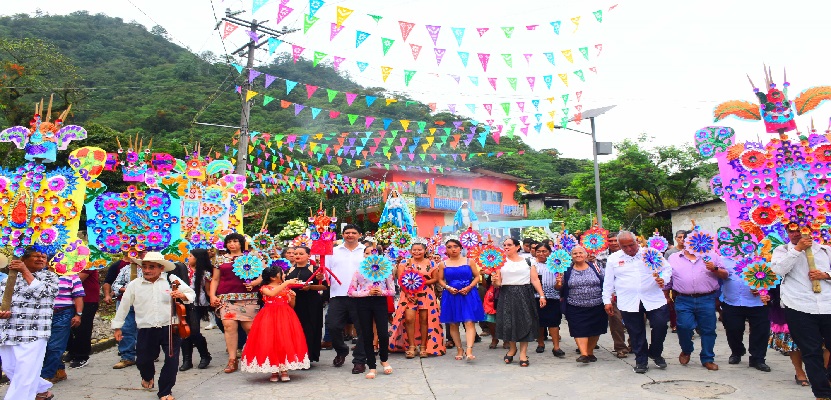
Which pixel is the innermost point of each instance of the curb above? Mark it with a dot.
(105, 345)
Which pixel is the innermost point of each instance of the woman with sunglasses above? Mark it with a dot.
(516, 316)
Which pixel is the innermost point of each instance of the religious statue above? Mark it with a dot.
(397, 212)
(465, 217)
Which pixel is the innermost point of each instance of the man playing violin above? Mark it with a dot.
(153, 317)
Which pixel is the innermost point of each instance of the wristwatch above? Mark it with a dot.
(79, 313)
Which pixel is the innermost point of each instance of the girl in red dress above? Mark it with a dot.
(276, 342)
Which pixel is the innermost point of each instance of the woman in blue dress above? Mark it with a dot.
(460, 302)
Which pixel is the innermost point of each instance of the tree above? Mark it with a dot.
(33, 66)
(642, 181)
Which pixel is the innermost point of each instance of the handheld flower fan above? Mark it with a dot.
(657, 242)
(470, 238)
(411, 282)
(490, 258)
(402, 240)
(281, 263)
(248, 267)
(594, 240)
(72, 259)
(700, 242)
(653, 259)
(262, 242)
(759, 276)
(302, 241)
(559, 261)
(376, 268)
(568, 242)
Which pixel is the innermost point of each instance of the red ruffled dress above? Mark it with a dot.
(275, 342)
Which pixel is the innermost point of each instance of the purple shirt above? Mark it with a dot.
(693, 277)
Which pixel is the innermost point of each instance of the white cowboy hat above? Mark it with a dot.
(155, 257)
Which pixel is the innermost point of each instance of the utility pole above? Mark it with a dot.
(248, 50)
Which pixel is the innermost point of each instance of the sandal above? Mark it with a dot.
(233, 365)
(275, 377)
(459, 355)
(387, 368)
(147, 384)
(45, 396)
(423, 353)
(524, 363)
(470, 356)
(449, 344)
(801, 382)
(371, 374)
(284, 376)
(508, 359)
(410, 353)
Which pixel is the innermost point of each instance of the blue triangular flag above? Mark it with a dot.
(556, 26)
(315, 111)
(238, 67)
(472, 107)
(362, 65)
(272, 45)
(256, 4)
(370, 100)
(387, 122)
(290, 86)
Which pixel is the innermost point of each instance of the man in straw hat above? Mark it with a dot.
(25, 329)
(150, 296)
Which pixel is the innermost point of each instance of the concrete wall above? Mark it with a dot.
(709, 217)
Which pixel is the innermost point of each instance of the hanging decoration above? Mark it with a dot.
(323, 228)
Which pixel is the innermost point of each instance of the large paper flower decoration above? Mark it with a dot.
(302, 241)
(402, 240)
(734, 243)
(281, 263)
(73, 258)
(700, 242)
(262, 242)
(594, 240)
(653, 259)
(490, 258)
(568, 241)
(470, 238)
(411, 282)
(248, 267)
(376, 268)
(559, 261)
(657, 242)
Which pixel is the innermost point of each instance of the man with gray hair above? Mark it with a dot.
(639, 293)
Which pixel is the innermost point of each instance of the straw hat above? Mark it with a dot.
(156, 257)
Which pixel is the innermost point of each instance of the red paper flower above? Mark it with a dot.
(753, 159)
(763, 216)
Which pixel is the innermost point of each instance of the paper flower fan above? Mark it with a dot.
(653, 259)
(759, 276)
(594, 240)
(700, 242)
(411, 282)
(745, 262)
(72, 259)
(402, 240)
(302, 241)
(559, 261)
(262, 242)
(657, 242)
(470, 238)
(376, 268)
(568, 242)
(248, 267)
(282, 263)
(441, 250)
(490, 258)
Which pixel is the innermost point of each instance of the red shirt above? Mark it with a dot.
(92, 287)
(228, 281)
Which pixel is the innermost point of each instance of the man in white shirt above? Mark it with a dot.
(150, 298)
(344, 262)
(808, 313)
(639, 293)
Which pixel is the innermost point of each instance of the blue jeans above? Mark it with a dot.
(61, 326)
(127, 345)
(697, 312)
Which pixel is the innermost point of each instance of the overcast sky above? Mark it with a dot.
(664, 64)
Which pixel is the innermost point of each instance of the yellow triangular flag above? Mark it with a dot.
(425, 146)
(432, 131)
(576, 21)
(390, 101)
(550, 100)
(564, 78)
(385, 73)
(552, 113)
(550, 125)
(250, 94)
(250, 149)
(344, 13)
(568, 55)
(429, 140)
(404, 123)
(388, 155)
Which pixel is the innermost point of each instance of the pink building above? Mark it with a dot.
(490, 194)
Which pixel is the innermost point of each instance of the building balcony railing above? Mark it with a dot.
(422, 202)
(442, 203)
(445, 204)
(514, 211)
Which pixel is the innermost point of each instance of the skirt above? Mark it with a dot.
(550, 316)
(586, 321)
(516, 315)
(238, 310)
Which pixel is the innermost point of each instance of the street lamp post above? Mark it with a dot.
(596, 150)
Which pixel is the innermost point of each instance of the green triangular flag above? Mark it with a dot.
(385, 149)
(377, 18)
(585, 52)
(308, 22)
(394, 133)
(421, 125)
(438, 145)
(598, 15)
(422, 155)
(332, 94)
(408, 102)
(511, 131)
(443, 139)
(386, 43)
(267, 99)
(318, 56)
(408, 75)
(508, 30)
(389, 142)
(506, 107)
(352, 118)
(512, 82)
(565, 98)
(579, 74)
(509, 59)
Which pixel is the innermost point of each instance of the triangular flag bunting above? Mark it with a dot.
(318, 57)
(331, 93)
(362, 65)
(439, 55)
(406, 28)
(359, 38)
(290, 86)
(308, 21)
(568, 55)
(377, 18)
(512, 82)
(464, 56)
(314, 5)
(408, 75)
(433, 31)
(386, 44)
(483, 58)
(228, 29)
(283, 12)
(267, 99)
(576, 21)
(250, 94)
(598, 15)
(416, 50)
(334, 29)
(459, 33)
(342, 14)
(585, 52)
(508, 31)
(370, 100)
(556, 26)
(509, 59)
(481, 31)
(579, 74)
(385, 73)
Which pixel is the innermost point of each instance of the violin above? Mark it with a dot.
(178, 310)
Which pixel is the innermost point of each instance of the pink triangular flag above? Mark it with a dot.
(593, 69)
(481, 31)
(337, 61)
(406, 28)
(488, 108)
(334, 114)
(334, 30)
(492, 81)
(531, 81)
(416, 50)
(521, 105)
(528, 58)
(579, 95)
(350, 97)
(283, 12)
(599, 48)
(369, 121)
(483, 58)
(310, 90)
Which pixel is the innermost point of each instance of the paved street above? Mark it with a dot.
(446, 378)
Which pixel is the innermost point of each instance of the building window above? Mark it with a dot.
(487, 195)
(416, 187)
(452, 192)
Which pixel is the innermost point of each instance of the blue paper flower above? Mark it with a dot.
(559, 261)
(376, 268)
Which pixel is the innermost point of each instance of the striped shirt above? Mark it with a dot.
(69, 287)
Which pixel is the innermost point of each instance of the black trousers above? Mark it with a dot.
(636, 326)
(342, 308)
(79, 346)
(373, 310)
(810, 332)
(196, 339)
(733, 319)
(149, 342)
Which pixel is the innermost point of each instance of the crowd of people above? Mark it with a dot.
(283, 319)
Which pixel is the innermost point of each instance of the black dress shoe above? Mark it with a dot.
(338, 361)
(540, 349)
(592, 358)
(583, 359)
(359, 369)
(660, 362)
(641, 368)
(558, 353)
(734, 359)
(761, 366)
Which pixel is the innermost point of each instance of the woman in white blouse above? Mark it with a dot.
(516, 313)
